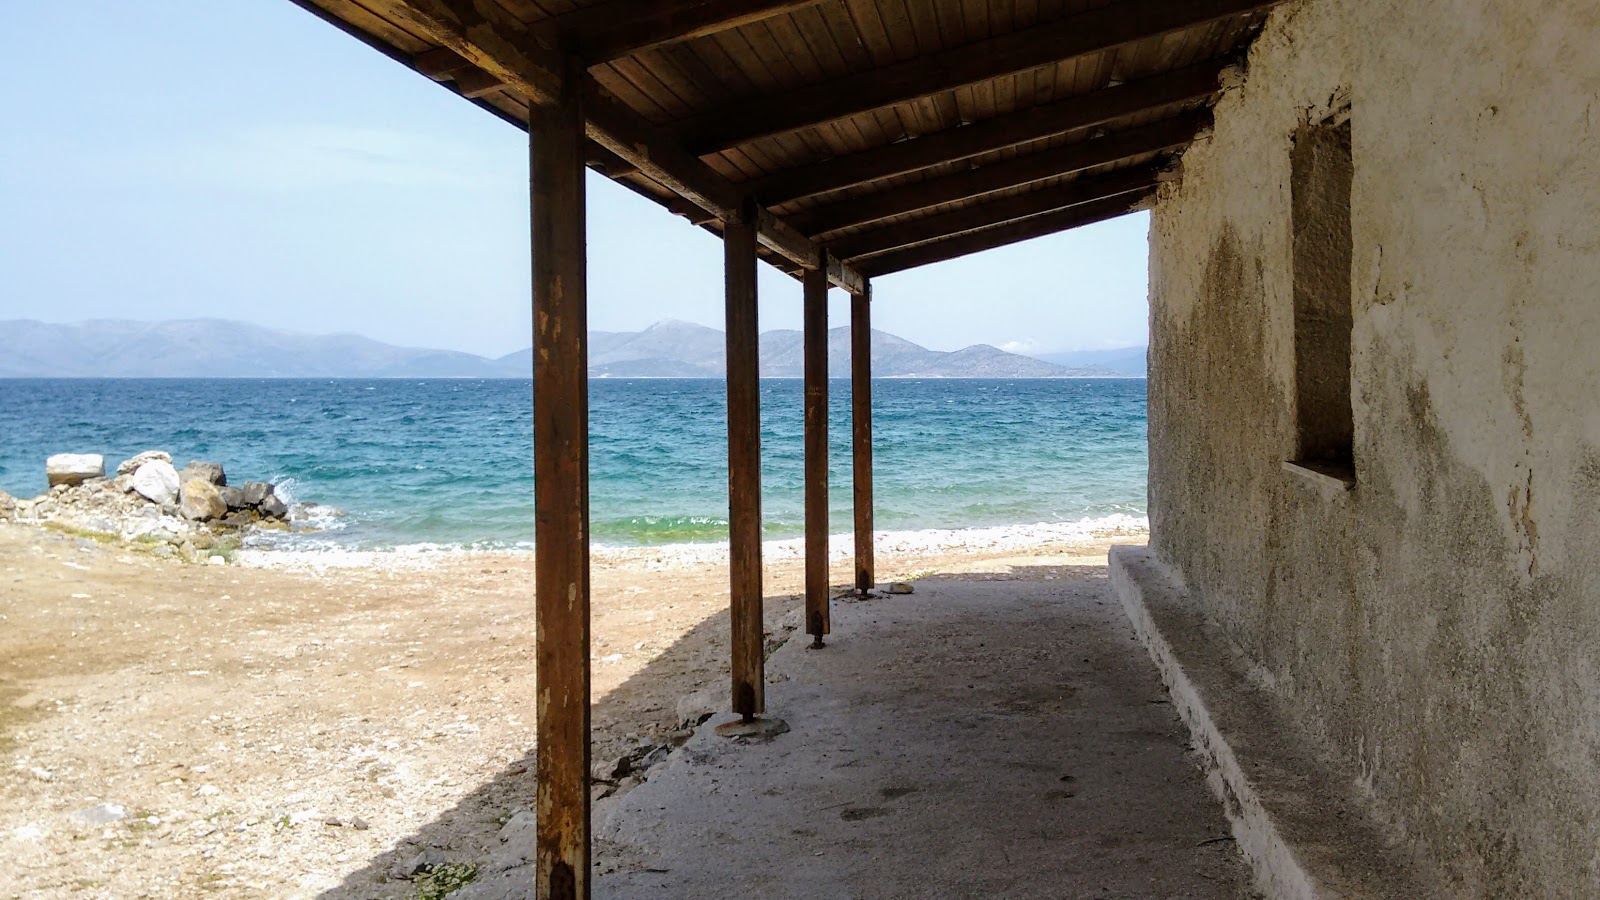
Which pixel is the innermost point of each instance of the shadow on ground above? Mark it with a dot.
(469, 832)
(986, 712)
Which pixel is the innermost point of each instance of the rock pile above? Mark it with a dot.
(149, 499)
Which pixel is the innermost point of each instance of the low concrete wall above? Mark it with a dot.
(1295, 810)
(1439, 623)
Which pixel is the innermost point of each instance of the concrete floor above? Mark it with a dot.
(979, 738)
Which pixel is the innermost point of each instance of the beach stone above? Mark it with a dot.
(199, 500)
(8, 506)
(273, 506)
(255, 492)
(210, 471)
(100, 814)
(900, 587)
(234, 497)
(156, 481)
(132, 463)
(517, 843)
(74, 468)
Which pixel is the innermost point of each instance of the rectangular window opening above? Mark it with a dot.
(1321, 169)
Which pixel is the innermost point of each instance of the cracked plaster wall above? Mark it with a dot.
(1440, 623)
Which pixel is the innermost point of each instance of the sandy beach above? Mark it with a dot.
(273, 727)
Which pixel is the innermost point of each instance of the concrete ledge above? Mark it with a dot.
(1299, 816)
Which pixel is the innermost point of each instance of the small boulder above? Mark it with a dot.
(101, 814)
(156, 481)
(255, 492)
(273, 506)
(901, 587)
(8, 506)
(199, 500)
(234, 497)
(131, 465)
(74, 468)
(209, 471)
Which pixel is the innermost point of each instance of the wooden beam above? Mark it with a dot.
(1071, 38)
(999, 236)
(608, 31)
(439, 63)
(483, 33)
(861, 432)
(744, 468)
(975, 182)
(1078, 191)
(475, 83)
(1073, 114)
(818, 620)
(561, 494)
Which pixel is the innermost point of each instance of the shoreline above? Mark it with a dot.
(890, 544)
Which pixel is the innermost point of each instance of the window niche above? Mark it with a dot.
(1321, 170)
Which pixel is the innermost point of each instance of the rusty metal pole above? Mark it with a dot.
(816, 461)
(744, 467)
(861, 432)
(561, 490)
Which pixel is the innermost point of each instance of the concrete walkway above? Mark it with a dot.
(979, 738)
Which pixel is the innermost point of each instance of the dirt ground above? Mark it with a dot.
(275, 733)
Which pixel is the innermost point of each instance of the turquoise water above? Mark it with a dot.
(399, 462)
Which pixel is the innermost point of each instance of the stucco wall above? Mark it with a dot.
(1440, 623)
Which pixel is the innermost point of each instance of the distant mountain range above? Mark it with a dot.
(216, 348)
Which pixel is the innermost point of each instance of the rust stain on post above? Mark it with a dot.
(861, 431)
(818, 622)
(744, 467)
(561, 492)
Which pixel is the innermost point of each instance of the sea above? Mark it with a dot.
(447, 463)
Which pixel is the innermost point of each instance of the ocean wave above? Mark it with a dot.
(328, 555)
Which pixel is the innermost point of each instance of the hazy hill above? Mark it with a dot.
(1123, 360)
(214, 348)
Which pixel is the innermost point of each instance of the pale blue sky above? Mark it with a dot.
(241, 159)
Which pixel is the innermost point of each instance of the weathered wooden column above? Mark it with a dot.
(816, 466)
(744, 466)
(861, 431)
(561, 491)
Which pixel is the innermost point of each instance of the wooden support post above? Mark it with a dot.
(561, 491)
(744, 466)
(816, 429)
(861, 431)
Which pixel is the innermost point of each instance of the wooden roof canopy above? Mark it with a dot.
(867, 136)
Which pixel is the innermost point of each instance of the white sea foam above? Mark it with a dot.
(887, 545)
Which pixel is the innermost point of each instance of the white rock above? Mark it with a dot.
(130, 466)
(156, 481)
(101, 814)
(216, 561)
(74, 468)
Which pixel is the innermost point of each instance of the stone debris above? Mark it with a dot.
(131, 465)
(100, 814)
(74, 468)
(190, 512)
(156, 481)
(209, 472)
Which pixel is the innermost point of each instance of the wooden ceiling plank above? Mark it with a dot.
(483, 33)
(608, 31)
(1073, 37)
(1165, 134)
(1072, 114)
(1000, 236)
(984, 215)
